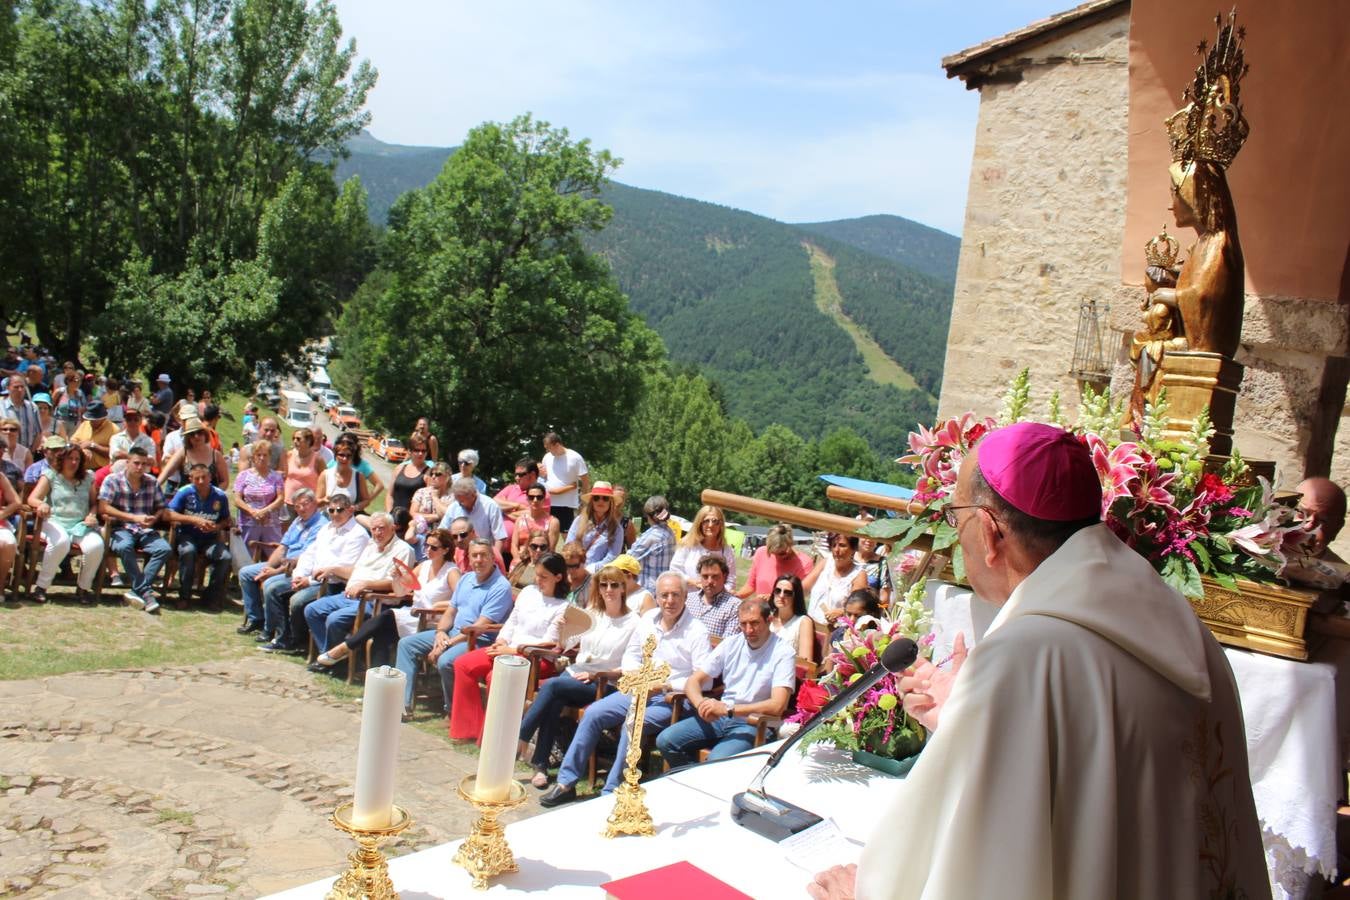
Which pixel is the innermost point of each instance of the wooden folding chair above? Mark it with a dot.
(32, 547)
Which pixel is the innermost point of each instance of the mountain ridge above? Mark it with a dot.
(733, 293)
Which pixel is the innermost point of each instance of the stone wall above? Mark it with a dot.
(1043, 221)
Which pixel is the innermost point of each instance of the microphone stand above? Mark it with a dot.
(777, 819)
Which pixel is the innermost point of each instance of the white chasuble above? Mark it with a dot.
(1092, 747)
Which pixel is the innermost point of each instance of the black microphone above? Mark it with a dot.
(777, 819)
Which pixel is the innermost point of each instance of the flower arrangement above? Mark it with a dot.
(877, 723)
(1156, 495)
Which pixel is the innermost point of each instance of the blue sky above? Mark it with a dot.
(793, 110)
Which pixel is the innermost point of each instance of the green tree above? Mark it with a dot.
(680, 441)
(519, 328)
(779, 465)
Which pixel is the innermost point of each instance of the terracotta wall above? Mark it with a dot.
(1291, 183)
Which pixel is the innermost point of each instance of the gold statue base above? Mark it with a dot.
(1267, 618)
(1193, 381)
(368, 876)
(485, 853)
(630, 815)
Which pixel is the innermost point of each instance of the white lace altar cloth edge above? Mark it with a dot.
(1294, 743)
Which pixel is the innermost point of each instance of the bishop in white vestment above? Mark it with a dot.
(1092, 744)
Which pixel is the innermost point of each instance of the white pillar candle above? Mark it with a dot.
(377, 757)
(501, 730)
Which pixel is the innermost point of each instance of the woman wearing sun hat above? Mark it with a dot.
(597, 528)
(636, 598)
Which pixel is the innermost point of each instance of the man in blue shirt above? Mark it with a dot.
(484, 515)
(482, 597)
(259, 581)
(202, 513)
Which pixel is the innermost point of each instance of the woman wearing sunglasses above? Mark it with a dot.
(599, 654)
(535, 518)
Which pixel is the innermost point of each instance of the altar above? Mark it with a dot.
(563, 853)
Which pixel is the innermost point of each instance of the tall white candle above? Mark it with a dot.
(377, 757)
(501, 730)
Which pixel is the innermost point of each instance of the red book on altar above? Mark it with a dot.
(678, 881)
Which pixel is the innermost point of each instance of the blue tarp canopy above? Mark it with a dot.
(880, 488)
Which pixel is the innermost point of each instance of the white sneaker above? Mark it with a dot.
(134, 599)
(115, 580)
(151, 604)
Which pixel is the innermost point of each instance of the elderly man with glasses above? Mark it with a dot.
(16, 405)
(259, 582)
(331, 618)
(485, 516)
(322, 569)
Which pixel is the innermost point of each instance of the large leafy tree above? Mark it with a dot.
(187, 140)
(497, 323)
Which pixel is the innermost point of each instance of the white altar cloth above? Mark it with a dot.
(564, 853)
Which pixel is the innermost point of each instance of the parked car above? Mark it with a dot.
(330, 398)
(392, 450)
(347, 418)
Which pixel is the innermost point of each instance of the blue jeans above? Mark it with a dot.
(330, 619)
(412, 648)
(125, 543)
(217, 560)
(679, 744)
(600, 715)
(294, 630)
(274, 619)
(251, 592)
(545, 712)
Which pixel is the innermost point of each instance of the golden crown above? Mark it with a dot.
(1162, 250)
(1211, 126)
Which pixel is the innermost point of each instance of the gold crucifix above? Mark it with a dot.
(630, 814)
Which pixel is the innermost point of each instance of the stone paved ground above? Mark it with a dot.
(203, 780)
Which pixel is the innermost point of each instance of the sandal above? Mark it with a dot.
(540, 779)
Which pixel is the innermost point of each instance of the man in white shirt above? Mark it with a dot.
(324, 567)
(758, 673)
(330, 619)
(566, 477)
(683, 642)
(484, 515)
(130, 436)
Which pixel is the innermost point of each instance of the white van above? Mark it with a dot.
(319, 381)
(297, 409)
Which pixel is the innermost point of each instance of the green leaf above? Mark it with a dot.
(1226, 580)
(959, 564)
(885, 529)
(944, 536)
(1198, 548)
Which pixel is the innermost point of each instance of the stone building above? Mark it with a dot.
(1069, 179)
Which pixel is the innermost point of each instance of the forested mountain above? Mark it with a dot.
(734, 293)
(900, 240)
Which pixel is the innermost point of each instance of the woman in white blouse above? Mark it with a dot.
(535, 621)
(431, 584)
(706, 535)
(835, 578)
(600, 653)
(791, 623)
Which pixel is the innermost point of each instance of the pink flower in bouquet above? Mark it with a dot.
(1212, 490)
(1118, 468)
(909, 561)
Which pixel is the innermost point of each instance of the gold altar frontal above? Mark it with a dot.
(1194, 381)
(1267, 618)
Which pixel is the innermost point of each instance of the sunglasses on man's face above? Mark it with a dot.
(539, 546)
(536, 497)
(461, 536)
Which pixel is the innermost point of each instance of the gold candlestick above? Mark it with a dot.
(630, 815)
(485, 852)
(368, 876)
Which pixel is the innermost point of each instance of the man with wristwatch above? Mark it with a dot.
(758, 673)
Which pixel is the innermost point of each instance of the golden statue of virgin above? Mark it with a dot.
(1196, 312)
